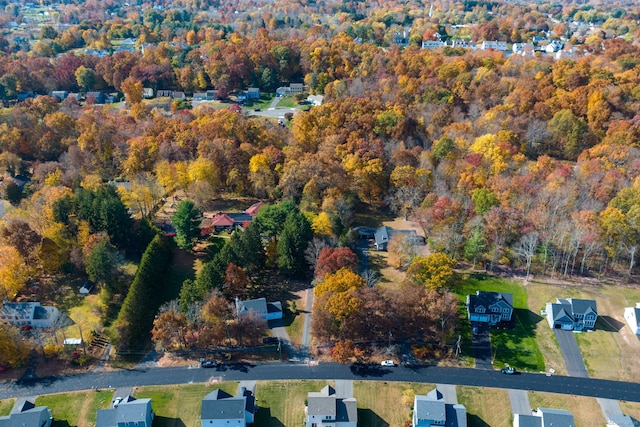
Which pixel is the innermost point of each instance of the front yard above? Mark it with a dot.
(586, 410)
(281, 403)
(380, 409)
(485, 406)
(76, 409)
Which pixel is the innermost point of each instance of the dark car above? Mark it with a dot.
(270, 340)
(509, 370)
(208, 364)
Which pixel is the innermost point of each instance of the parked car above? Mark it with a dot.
(208, 364)
(270, 340)
(509, 370)
(116, 401)
(387, 363)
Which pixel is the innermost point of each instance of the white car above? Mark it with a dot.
(388, 363)
(116, 401)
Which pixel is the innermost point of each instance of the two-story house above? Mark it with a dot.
(431, 410)
(220, 409)
(572, 314)
(28, 415)
(130, 412)
(31, 314)
(490, 307)
(544, 417)
(326, 409)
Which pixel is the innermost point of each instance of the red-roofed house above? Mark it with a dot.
(222, 221)
(253, 209)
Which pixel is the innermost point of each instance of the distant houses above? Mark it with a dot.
(223, 221)
(383, 235)
(130, 412)
(260, 308)
(544, 417)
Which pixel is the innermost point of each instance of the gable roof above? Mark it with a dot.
(555, 417)
(130, 410)
(427, 408)
(253, 209)
(487, 299)
(222, 220)
(219, 405)
(258, 306)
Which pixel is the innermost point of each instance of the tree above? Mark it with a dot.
(331, 260)
(527, 247)
(343, 352)
(340, 281)
(293, 241)
(401, 250)
(434, 271)
(102, 263)
(474, 246)
(170, 327)
(186, 220)
(13, 272)
(133, 91)
(85, 77)
(13, 349)
(13, 192)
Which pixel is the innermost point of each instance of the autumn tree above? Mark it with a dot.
(331, 260)
(13, 349)
(434, 271)
(170, 327)
(13, 272)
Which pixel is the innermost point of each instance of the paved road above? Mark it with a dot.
(306, 336)
(482, 346)
(571, 353)
(616, 390)
(519, 402)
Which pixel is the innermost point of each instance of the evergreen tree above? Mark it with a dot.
(293, 241)
(186, 221)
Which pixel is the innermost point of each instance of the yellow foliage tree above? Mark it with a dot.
(13, 272)
(13, 350)
(322, 225)
(341, 281)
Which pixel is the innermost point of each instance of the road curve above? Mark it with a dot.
(616, 390)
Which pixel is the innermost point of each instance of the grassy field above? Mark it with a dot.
(295, 323)
(516, 347)
(380, 405)
(287, 102)
(609, 351)
(486, 406)
(6, 406)
(179, 406)
(586, 410)
(75, 409)
(631, 408)
(86, 316)
(282, 402)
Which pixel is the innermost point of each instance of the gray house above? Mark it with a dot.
(130, 412)
(262, 309)
(28, 415)
(544, 417)
(384, 234)
(431, 410)
(219, 408)
(325, 408)
(572, 314)
(490, 307)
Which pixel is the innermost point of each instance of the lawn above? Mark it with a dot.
(485, 406)
(287, 102)
(605, 351)
(282, 403)
(585, 410)
(631, 408)
(516, 347)
(295, 322)
(86, 317)
(75, 409)
(263, 103)
(6, 406)
(380, 405)
(180, 405)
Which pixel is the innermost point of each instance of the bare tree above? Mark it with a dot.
(311, 254)
(526, 248)
(371, 277)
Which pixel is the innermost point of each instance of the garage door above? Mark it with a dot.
(567, 327)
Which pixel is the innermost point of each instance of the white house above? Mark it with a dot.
(632, 315)
(326, 409)
(495, 45)
(260, 308)
(28, 314)
(432, 44)
(220, 409)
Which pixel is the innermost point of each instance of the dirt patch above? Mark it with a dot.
(170, 359)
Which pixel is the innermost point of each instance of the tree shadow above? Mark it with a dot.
(366, 417)
(263, 418)
(475, 421)
(609, 324)
(512, 345)
(167, 422)
(368, 370)
(60, 423)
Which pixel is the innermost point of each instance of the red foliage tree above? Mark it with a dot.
(333, 259)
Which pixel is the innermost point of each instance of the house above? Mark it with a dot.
(253, 209)
(384, 234)
(162, 93)
(461, 44)
(129, 412)
(495, 45)
(401, 38)
(212, 95)
(23, 96)
(219, 409)
(28, 314)
(59, 95)
(315, 100)
(490, 307)
(553, 46)
(325, 408)
(97, 96)
(431, 410)
(432, 44)
(632, 315)
(262, 309)
(176, 94)
(544, 417)
(86, 288)
(253, 93)
(296, 87)
(572, 314)
(200, 96)
(28, 415)
(222, 221)
(147, 93)
(522, 48)
(621, 421)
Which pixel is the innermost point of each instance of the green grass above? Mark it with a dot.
(6, 406)
(180, 405)
(282, 402)
(516, 347)
(75, 409)
(287, 102)
(263, 103)
(381, 405)
(294, 324)
(485, 406)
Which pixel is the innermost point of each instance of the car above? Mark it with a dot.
(387, 363)
(270, 340)
(208, 364)
(257, 109)
(509, 370)
(116, 401)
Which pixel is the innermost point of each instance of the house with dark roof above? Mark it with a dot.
(490, 307)
(544, 417)
(260, 308)
(28, 314)
(384, 234)
(223, 221)
(129, 412)
(219, 409)
(431, 410)
(632, 316)
(572, 314)
(28, 415)
(325, 408)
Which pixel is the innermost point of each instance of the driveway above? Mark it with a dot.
(481, 340)
(519, 402)
(571, 354)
